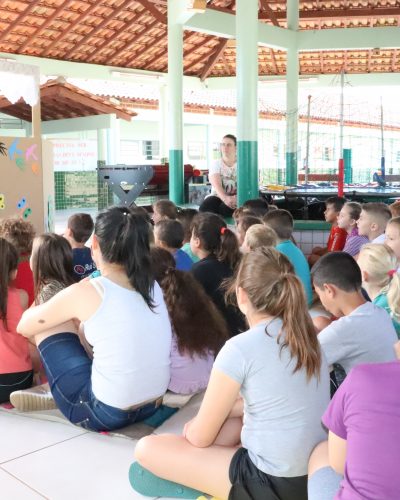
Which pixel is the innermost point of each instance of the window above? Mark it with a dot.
(151, 149)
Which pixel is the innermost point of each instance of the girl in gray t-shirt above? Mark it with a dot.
(260, 417)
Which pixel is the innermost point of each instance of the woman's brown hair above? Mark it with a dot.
(197, 323)
(216, 238)
(51, 261)
(8, 264)
(269, 281)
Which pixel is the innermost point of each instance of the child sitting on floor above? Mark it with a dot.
(15, 362)
(185, 217)
(337, 235)
(242, 225)
(373, 221)
(363, 332)
(20, 233)
(258, 236)
(79, 229)
(125, 320)
(281, 221)
(164, 209)
(168, 234)
(199, 330)
(52, 266)
(347, 220)
(218, 251)
(381, 280)
(392, 236)
(256, 447)
(360, 459)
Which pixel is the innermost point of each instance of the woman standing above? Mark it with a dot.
(222, 176)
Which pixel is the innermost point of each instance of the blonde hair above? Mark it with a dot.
(380, 262)
(260, 235)
(268, 278)
(395, 221)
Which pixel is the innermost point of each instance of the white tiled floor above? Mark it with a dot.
(43, 459)
(57, 461)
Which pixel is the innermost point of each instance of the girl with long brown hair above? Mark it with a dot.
(15, 363)
(257, 446)
(198, 328)
(52, 266)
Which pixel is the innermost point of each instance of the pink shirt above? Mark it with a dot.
(14, 349)
(354, 242)
(188, 374)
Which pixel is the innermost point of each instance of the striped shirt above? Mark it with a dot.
(354, 242)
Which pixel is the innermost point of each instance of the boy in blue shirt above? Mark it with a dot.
(169, 234)
(281, 221)
(79, 229)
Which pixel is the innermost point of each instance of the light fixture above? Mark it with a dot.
(135, 75)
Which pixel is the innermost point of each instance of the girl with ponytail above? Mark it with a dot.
(381, 279)
(124, 319)
(255, 446)
(217, 248)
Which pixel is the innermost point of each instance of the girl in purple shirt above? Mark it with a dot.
(199, 329)
(347, 220)
(361, 457)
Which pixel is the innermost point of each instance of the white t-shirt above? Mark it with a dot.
(366, 335)
(228, 176)
(131, 346)
(282, 409)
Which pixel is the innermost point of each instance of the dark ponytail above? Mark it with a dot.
(8, 264)
(216, 238)
(123, 238)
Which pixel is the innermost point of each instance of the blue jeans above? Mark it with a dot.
(68, 369)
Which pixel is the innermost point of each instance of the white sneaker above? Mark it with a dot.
(34, 399)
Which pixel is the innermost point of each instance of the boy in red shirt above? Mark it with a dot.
(337, 236)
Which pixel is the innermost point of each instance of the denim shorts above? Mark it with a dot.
(68, 369)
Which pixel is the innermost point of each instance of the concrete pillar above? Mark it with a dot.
(163, 120)
(175, 101)
(247, 98)
(292, 86)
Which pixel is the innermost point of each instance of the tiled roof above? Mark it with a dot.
(133, 34)
(60, 99)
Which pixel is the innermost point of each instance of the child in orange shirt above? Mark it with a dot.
(15, 363)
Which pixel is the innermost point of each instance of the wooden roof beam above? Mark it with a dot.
(130, 42)
(164, 52)
(337, 13)
(72, 25)
(18, 19)
(43, 26)
(273, 61)
(113, 38)
(213, 59)
(162, 18)
(110, 17)
(269, 12)
(137, 54)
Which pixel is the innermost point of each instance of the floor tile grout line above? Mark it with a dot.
(43, 448)
(23, 482)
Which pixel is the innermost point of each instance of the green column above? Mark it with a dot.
(292, 84)
(348, 169)
(247, 98)
(175, 101)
